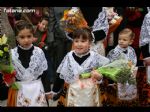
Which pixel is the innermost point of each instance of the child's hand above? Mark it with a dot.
(41, 44)
(95, 75)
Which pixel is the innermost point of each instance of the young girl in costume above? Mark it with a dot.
(81, 92)
(31, 70)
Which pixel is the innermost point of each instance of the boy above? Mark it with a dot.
(124, 51)
(40, 33)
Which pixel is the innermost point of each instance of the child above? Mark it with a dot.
(78, 61)
(30, 65)
(40, 35)
(123, 48)
(124, 51)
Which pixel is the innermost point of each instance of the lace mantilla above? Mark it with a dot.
(37, 65)
(70, 70)
(101, 23)
(116, 53)
(145, 31)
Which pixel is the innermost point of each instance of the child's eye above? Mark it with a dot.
(22, 37)
(29, 36)
(75, 40)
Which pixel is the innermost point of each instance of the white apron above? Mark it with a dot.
(85, 96)
(31, 93)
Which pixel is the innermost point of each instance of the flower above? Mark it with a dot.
(9, 78)
(5, 56)
(6, 67)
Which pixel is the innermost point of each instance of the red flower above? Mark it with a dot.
(9, 77)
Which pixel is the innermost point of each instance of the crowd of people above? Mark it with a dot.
(48, 60)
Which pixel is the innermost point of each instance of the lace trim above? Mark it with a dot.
(101, 23)
(118, 53)
(80, 56)
(37, 65)
(26, 48)
(145, 31)
(70, 70)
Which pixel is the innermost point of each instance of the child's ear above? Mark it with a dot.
(38, 23)
(16, 38)
(131, 41)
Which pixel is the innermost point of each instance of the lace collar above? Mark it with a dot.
(37, 65)
(80, 56)
(26, 48)
(70, 70)
(122, 49)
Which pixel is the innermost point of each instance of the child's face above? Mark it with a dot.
(25, 38)
(42, 26)
(81, 45)
(124, 40)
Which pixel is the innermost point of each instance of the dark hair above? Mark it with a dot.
(21, 24)
(129, 32)
(43, 18)
(84, 33)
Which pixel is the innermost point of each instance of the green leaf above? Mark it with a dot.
(15, 85)
(85, 75)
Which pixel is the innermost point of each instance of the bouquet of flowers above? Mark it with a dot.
(118, 71)
(5, 58)
(72, 20)
(6, 67)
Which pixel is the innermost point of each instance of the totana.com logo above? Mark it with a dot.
(18, 10)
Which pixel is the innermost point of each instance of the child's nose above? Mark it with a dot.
(79, 43)
(26, 40)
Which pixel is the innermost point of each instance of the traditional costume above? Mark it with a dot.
(126, 91)
(144, 36)
(81, 92)
(145, 41)
(30, 65)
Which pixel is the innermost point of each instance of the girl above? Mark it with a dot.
(31, 69)
(82, 92)
(99, 24)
